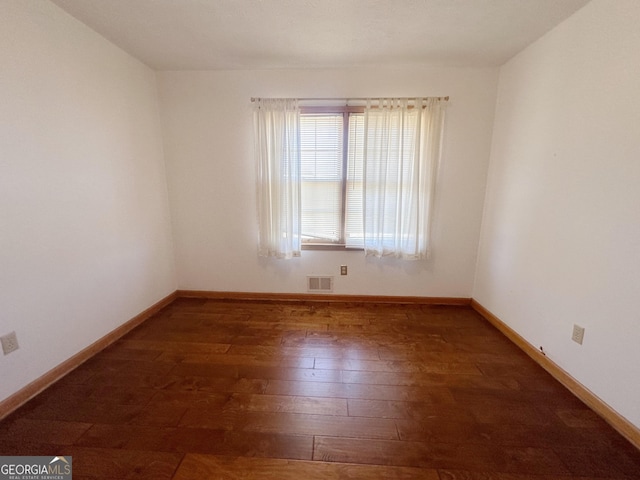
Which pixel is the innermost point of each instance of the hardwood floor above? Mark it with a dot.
(211, 389)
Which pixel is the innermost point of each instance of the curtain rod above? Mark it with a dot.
(358, 99)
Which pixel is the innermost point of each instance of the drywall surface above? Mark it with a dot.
(560, 240)
(208, 135)
(85, 239)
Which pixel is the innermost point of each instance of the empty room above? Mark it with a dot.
(333, 239)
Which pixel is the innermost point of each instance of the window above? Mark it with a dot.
(331, 144)
(347, 177)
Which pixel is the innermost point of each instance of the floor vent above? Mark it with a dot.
(320, 284)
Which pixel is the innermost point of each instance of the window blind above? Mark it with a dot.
(354, 231)
(321, 156)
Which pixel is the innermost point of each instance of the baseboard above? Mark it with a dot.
(315, 297)
(25, 394)
(617, 421)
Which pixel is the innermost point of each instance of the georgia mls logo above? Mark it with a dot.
(35, 468)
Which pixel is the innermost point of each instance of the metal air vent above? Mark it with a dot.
(317, 284)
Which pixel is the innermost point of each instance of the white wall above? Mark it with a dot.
(208, 140)
(85, 240)
(560, 241)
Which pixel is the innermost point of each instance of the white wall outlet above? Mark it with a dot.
(578, 334)
(343, 269)
(9, 343)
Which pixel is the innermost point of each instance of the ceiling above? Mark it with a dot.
(243, 34)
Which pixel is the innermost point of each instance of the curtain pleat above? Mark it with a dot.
(402, 145)
(277, 147)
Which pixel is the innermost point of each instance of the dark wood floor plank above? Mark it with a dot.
(288, 404)
(292, 374)
(219, 359)
(467, 475)
(391, 366)
(439, 455)
(86, 412)
(52, 432)
(558, 398)
(429, 379)
(198, 440)
(291, 423)
(437, 394)
(175, 346)
(416, 410)
(123, 464)
(365, 352)
(236, 468)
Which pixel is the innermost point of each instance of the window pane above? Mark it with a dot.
(354, 235)
(321, 169)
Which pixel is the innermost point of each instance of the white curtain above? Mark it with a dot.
(402, 147)
(277, 147)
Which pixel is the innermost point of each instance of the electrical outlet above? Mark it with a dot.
(9, 343)
(578, 334)
(343, 269)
